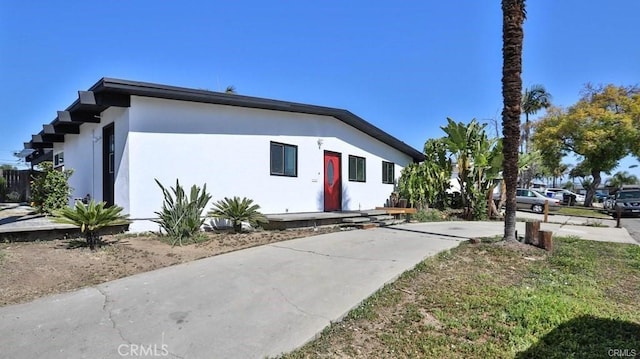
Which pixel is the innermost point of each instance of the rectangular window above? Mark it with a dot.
(284, 159)
(388, 175)
(357, 169)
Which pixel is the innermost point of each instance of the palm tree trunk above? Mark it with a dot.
(512, 37)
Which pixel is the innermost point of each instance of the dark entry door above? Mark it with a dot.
(108, 164)
(332, 182)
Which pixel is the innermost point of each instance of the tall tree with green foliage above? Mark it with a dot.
(513, 16)
(601, 128)
(534, 99)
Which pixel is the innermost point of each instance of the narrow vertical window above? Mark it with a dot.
(388, 175)
(357, 169)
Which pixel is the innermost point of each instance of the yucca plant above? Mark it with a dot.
(181, 215)
(237, 211)
(90, 218)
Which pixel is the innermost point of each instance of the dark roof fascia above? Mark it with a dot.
(110, 86)
(193, 95)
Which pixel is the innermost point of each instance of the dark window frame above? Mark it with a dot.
(364, 169)
(284, 158)
(385, 172)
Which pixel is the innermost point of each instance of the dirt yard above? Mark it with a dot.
(35, 269)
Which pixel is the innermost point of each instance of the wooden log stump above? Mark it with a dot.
(545, 240)
(532, 229)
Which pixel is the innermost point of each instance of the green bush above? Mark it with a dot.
(429, 215)
(181, 216)
(12, 196)
(90, 218)
(237, 211)
(50, 190)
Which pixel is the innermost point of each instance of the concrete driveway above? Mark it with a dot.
(247, 304)
(252, 303)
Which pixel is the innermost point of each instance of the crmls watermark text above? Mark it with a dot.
(142, 350)
(622, 353)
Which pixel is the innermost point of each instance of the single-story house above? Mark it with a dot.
(288, 157)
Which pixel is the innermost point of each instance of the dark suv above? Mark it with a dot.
(628, 201)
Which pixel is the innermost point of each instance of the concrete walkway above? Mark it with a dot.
(252, 303)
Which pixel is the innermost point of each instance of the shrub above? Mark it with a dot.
(90, 218)
(429, 215)
(237, 211)
(180, 216)
(12, 196)
(50, 190)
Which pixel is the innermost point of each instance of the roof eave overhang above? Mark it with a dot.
(110, 92)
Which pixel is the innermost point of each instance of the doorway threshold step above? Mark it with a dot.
(356, 220)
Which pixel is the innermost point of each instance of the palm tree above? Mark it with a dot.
(513, 15)
(534, 99)
(621, 178)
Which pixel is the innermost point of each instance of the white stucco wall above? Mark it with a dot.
(83, 154)
(228, 148)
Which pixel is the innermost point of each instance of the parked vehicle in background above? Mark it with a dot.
(566, 196)
(627, 200)
(532, 200)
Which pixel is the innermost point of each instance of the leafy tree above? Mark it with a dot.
(50, 190)
(91, 218)
(601, 128)
(181, 215)
(237, 211)
(477, 160)
(622, 178)
(534, 99)
(513, 15)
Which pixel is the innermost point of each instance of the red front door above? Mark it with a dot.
(332, 182)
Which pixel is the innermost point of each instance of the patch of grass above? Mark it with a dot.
(499, 300)
(582, 212)
(195, 238)
(2, 256)
(429, 215)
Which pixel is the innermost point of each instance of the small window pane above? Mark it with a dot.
(277, 159)
(388, 172)
(290, 160)
(361, 169)
(352, 168)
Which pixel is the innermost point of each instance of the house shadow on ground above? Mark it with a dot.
(588, 337)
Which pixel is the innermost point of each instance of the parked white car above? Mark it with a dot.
(558, 193)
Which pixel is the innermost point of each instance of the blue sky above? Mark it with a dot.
(403, 66)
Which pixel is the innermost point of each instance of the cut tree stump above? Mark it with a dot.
(531, 233)
(545, 240)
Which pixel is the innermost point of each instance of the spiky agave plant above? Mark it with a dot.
(90, 218)
(181, 215)
(237, 211)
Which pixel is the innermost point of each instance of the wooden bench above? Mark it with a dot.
(396, 211)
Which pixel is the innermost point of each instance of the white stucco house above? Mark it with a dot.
(288, 157)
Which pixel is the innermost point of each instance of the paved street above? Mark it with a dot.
(633, 227)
